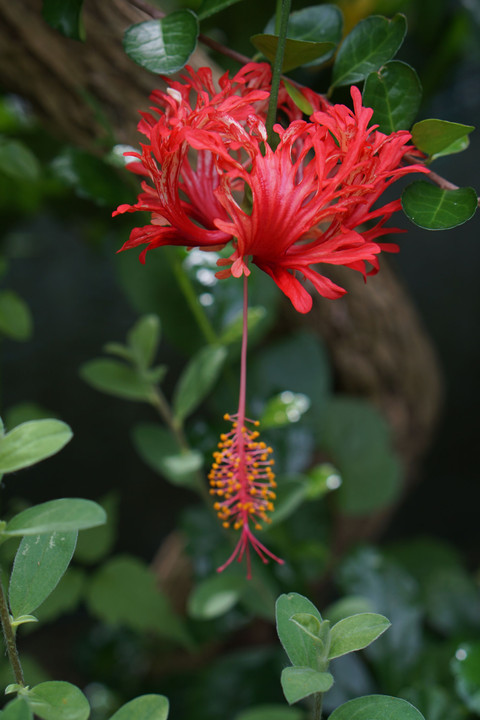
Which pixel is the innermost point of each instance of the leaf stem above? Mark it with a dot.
(317, 706)
(277, 67)
(9, 635)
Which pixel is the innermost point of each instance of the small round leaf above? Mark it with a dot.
(376, 707)
(58, 700)
(433, 208)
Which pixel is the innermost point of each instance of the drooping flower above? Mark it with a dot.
(215, 180)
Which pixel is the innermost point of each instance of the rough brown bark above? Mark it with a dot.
(84, 91)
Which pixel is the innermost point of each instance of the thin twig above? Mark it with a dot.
(9, 637)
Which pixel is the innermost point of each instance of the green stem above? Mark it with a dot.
(192, 300)
(317, 706)
(10, 641)
(277, 67)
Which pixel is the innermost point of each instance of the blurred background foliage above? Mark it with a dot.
(65, 294)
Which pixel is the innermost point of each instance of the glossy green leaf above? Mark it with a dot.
(65, 16)
(358, 440)
(215, 596)
(17, 709)
(300, 682)
(62, 515)
(455, 147)
(210, 7)
(58, 700)
(124, 592)
(356, 632)
(433, 208)
(394, 92)
(298, 98)
(31, 442)
(295, 642)
(197, 380)
(315, 24)
(17, 160)
(433, 136)
(116, 378)
(466, 670)
(143, 340)
(271, 712)
(283, 409)
(371, 44)
(145, 707)
(159, 448)
(376, 707)
(163, 46)
(15, 317)
(297, 52)
(40, 562)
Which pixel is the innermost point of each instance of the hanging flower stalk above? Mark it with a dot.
(213, 180)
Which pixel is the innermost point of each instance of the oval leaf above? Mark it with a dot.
(15, 317)
(58, 700)
(61, 515)
(17, 161)
(371, 43)
(376, 707)
(215, 596)
(433, 136)
(40, 562)
(17, 709)
(163, 46)
(433, 208)
(300, 682)
(297, 52)
(116, 378)
(143, 340)
(356, 632)
(31, 442)
(145, 707)
(197, 380)
(394, 93)
(295, 642)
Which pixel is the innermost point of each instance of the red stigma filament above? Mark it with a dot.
(244, 483)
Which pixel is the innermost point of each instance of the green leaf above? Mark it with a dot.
(358, 440)
(90, 177)
(31, 442)
(433, 136)
(371, 44)
(17, 709)
(143, 340)
(311, 625)
(210, 7)
(297, 52)
(163, 46)
(15, 317)
(40, 562)
(65, 16)
(115, 378)
(196, 381)
(466, 670)
(57, 700)
(356, 632)
(298, 98)
(394, 92)
(61, 515)
(300, 682)
(159, 449)
(17, 160)
(283, 409)
(320, 24)
(376, 707)
(296, 643)
(457, 146)
(271, 712)
(145, 707)
(322, 479)
(124, 592)
(97, 542)
(215, 596)
(433, 208)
